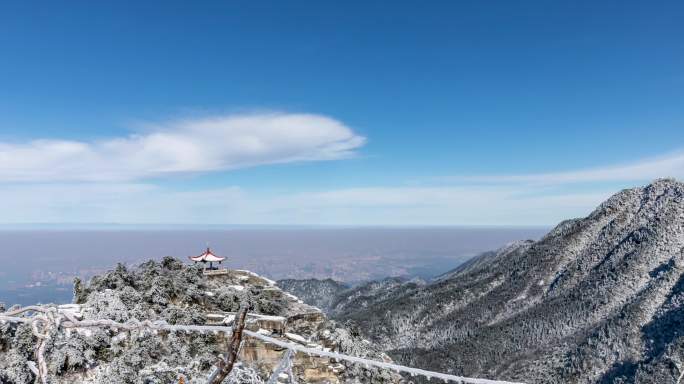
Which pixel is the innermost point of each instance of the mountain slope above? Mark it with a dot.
(319, 293)
(597, 300)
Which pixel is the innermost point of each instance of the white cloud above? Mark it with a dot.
(462, 205)
(209, 144)
(519, 200)
(103, 182)
(671, 165)
(148, 204)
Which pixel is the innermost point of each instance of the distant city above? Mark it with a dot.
(40, 264)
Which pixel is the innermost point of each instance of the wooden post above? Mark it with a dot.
(225, 366)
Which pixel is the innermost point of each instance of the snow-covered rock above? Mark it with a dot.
(178, 294)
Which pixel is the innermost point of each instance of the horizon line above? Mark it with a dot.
(180, 226)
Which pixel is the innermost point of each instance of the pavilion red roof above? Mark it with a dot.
(207, 256)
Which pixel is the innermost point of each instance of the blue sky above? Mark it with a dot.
(380, 113)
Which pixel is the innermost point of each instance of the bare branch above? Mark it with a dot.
(225, 366)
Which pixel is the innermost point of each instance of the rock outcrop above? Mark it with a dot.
(181, 294)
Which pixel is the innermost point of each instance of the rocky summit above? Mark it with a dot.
(180, 294)
(597, 300)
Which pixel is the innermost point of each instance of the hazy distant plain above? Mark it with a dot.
(38, 265)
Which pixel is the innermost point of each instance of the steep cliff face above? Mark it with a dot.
(180, 294)
(597, 300)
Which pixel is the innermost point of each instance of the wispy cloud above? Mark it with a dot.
(145, 204)
(209, 144)
(670, 165)
(106, 181)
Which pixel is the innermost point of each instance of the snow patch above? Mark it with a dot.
(297, 338)
(269, 281)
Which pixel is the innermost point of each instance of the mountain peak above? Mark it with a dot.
(598, 299)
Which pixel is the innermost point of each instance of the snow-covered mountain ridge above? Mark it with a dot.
(597, 300)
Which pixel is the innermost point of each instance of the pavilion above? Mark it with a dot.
(207, 257)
